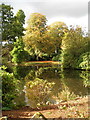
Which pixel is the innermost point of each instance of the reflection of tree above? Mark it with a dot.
(20, 100)
(66, 95)
(66, 83)
(51, 74)
(20, 71)
(72, 80)
(31, 75)
(38, 92)
(86, 79)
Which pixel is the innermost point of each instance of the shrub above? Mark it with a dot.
(18, 53)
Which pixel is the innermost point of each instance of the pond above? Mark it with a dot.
(43, 85)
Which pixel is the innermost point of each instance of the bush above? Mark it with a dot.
(18, 53)
(9, 89)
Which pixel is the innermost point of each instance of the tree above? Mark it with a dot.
(12, 26)
(18, 53)
(73, 45)
(7, 20)
(56, 32)
(19, 21)
(35, 32)
(37, 22)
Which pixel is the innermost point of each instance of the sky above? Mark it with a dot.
(71, 12)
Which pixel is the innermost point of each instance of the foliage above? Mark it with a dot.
(20, 72)
(18, 53)
(35, 30)
(7, 20)
(56, 33)
(66, 95)
(31, 75)
(86, 78)
(38, 91)
(85, 61)
(6, 57)
(12, 26)
(19, 21)
(57, 58)
(37, 36)
(73, 45)
(44, 56)
(41, 41)
(36, 22)
(9, 88)
(32, 53)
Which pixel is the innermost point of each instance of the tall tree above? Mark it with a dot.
(73, 45)
(7, 20)
(56, 32)
(12, 26)
(35, 31)
(19, 21)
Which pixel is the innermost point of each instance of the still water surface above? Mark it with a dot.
(68, 84)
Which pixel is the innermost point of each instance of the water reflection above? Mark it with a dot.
(38, 92)
(74, 82)
(68, 84)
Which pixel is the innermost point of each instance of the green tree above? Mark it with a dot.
(7, 21)
(18, 53)
(12, 26)
(85, 61)
(19, 21)
(73, 45)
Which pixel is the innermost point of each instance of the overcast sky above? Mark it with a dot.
(72, 12)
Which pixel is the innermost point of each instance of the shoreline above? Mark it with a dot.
(70, 109)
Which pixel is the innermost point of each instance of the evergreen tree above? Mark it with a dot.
(12, 26)
(19, 21)
(7, 21)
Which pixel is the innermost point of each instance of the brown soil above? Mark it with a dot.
(72, 109)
